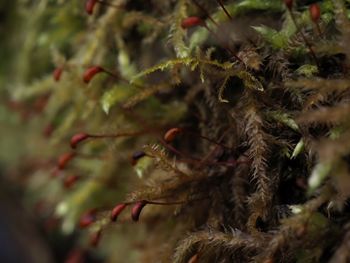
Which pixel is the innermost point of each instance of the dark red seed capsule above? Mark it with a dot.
(64, 159)
(137, 209)
(289, 4)
(90, 5)
(171, 134)
(116, 211)
(191, 21)
(76, 256)
(48, 130)
(57, 74)
(95, 238)
(70, 181)
(136, 156)
(91, 72)
(87, 218)
(77, 138)
(315, 12)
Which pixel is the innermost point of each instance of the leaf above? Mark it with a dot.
(143, 166)
(163, 66)
(250, 81)
(143, 95)
(177, 33)
(222, 89)
(307, 70)
(275, 38)
(189, 62)
(270, 5)
(285, 119)
(318, 175)
(113, 96)
(298, 149)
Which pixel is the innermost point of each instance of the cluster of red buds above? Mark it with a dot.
(135, 210)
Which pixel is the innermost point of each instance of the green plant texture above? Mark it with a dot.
(227, 140)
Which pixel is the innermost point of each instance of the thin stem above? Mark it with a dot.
(318, 29)
(224, 8)
(217, 25)
(205, 12)
(224, 45)
(304, 38)
(174, 150)
(165, 203)
(122, 134)
(119, 77)
(207, 139)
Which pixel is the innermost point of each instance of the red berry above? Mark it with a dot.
(116, 211)
(89, 6)
(87, 218)
(191, 21)
(289, 4)
(70, 180)
(64, 159)
(48, 130)
(76, 256)
(315, 12)
(171, 134)
(57, 74)
(137, 209)
(91, 72)
(77, 138)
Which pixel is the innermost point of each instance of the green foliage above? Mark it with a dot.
(258, 171)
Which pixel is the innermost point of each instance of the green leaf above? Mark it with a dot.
(298, 149)
(307, 70)
(285, 119)
(177, 33)
(275, 38)
(117, 94)
(318, 175)
(143, 165)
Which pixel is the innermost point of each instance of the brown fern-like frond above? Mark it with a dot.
(258, 153)
(326, 115)
(212, 243)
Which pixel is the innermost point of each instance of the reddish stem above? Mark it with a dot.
(304, 38)
(224, 8)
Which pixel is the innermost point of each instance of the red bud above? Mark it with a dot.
(116, 211)
(95, 238)
(77, 138)
(315, 12)
(57, 74)
(289, 4)
(48, 130)
(171, 134)
(192, 21)
(91, 72)
(87, 218)
(64, 159)
(89, 6)
(76, 256)
(136, 210)
(69, 181)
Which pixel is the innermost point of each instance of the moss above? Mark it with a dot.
(259, 171)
